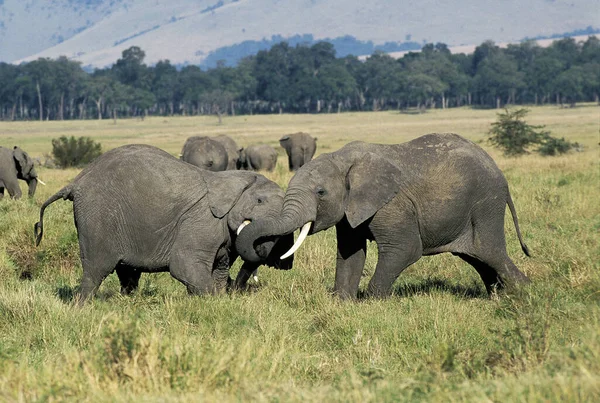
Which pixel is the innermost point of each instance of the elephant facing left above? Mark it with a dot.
(16, 164)
(139, 209)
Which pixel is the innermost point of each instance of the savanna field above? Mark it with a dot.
(439, 337)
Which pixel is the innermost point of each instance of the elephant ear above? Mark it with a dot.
(372, 181)
(225, 189)
(22, 160)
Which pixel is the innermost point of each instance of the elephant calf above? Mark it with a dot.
(259, 157)
(437, 193)
(138, 209)
(16, 164)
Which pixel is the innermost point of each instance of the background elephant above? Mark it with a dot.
(206, 153)
(437, 193)
(300, 148)
(258, 157)
(233, 151)
(138, 209)
(16, 164)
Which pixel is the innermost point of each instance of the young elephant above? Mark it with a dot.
(138, 209)
(206, 153)
(300, 148)
(437, 193)
(259, 157)
(16, 164)
(232, 149)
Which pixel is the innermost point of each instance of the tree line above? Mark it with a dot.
(305, 79)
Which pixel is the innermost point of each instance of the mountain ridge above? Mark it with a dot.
(95, 32)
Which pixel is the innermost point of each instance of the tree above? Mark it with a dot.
(512, 134)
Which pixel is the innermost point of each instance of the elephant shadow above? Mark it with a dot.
(429, 285)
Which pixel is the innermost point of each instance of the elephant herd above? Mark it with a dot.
(138, 209)
(221, 153)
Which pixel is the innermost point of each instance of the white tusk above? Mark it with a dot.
(41, 181)
(255, 279)
(299, 241)
(242, 225)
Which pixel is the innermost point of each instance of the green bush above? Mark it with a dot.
(515, 137)
(72, 152)
(553, 146)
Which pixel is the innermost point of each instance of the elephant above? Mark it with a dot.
(17, 164)
(233, 151)
(206, 153)
(300, 148)
(258, 157)
(437, 193)
(139, 209)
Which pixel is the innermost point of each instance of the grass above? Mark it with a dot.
(439, 337)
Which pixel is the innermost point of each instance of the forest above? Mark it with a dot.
(305, 79)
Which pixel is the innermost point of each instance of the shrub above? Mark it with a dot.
(553, 146)
(514, 136)
(72, 152)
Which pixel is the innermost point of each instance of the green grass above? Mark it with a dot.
(438, 338)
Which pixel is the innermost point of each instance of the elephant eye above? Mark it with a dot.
(259, 200)
(321, 192)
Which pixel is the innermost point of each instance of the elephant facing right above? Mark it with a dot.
(437, 193)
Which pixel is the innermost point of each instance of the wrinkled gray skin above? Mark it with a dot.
(259, 157)
(138, 209)
(300, 148)
(437, 193)
(206, 153)
(232, 149)
(15, 164)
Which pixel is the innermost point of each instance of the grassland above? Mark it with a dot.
(438, 338)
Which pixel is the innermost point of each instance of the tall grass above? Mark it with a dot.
(439, 336)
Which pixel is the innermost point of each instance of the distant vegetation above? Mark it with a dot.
(514, 136)
(71, 152)
(305, 79)
(344, 46)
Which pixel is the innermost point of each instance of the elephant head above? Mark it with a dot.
(354, 185)
(260, 199)
(24, 165)
(205, 153)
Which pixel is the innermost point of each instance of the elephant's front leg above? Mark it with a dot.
(248, 269)
(399, 245)
(220, 272)
(351, 254)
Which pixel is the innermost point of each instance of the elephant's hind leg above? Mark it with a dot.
(95, 269)
(487, 252)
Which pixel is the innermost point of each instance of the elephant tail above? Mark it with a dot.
(513, 212)
(38, 228)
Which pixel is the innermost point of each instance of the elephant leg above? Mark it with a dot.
(399, 245)
(487, 252)
(95, 270)
(14, 190)
(1, 192)
(220, 274)
(350, 262)
(129, 277)
(194, 270)
(496, 272)
(247, 271)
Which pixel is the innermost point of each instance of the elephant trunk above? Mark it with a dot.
(32, 184)
(297, 211)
